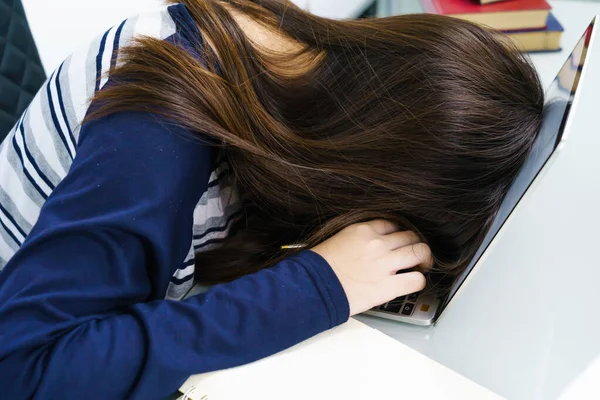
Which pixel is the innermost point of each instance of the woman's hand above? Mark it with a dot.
(366, 257)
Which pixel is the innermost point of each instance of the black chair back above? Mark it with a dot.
(21, 71)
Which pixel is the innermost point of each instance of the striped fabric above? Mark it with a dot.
(39, 150)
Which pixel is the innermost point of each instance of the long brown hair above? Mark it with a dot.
(420, 119)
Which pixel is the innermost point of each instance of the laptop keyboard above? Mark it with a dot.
(404, 305)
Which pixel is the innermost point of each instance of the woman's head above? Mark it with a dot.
(421, 119)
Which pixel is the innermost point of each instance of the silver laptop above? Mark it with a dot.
(425, 309)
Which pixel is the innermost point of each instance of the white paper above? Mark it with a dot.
(349, 362)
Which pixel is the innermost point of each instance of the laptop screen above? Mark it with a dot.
(559, 98)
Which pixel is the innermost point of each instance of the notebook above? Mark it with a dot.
(350, 362)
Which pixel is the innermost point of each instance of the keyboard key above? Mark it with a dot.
(393, 308)
(396, 302)
(413, 297)
(408, 309)
(400, 299)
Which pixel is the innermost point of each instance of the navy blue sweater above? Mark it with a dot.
(82, 309)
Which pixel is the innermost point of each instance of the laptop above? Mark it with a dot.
(561, 95)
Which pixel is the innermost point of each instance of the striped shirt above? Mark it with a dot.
(38, 152)
(99, 226)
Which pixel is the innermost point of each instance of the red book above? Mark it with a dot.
(504, 15)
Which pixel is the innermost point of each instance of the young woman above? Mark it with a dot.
(196, 141)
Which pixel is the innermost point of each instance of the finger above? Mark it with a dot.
(400, 285)
(382, 226)
(395, 240)
(414, 255)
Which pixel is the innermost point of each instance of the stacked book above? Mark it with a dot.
(529, 23)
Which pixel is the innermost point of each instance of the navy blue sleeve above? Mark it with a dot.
(81, 313)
